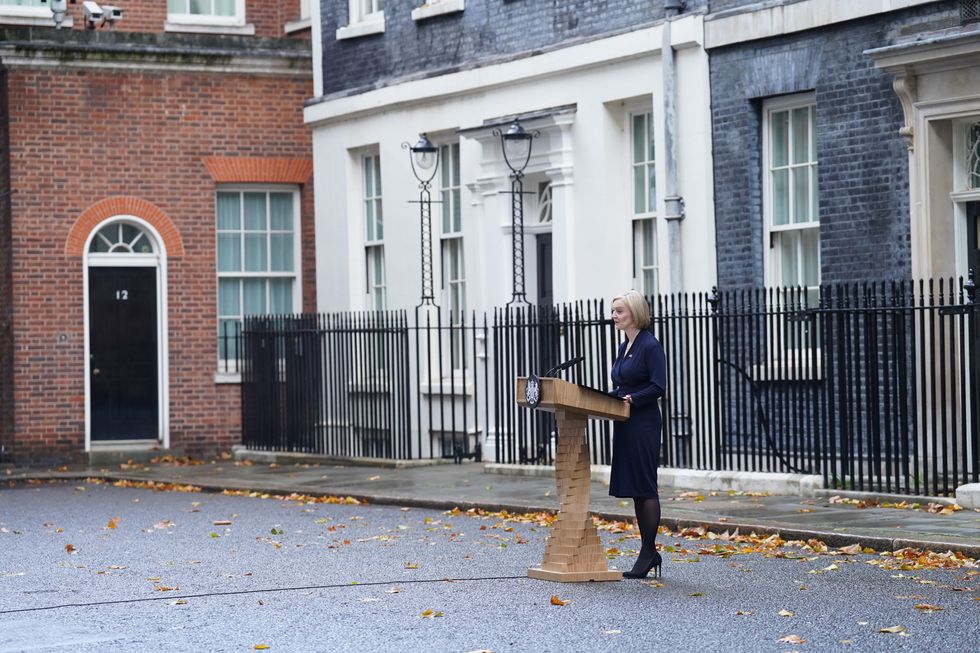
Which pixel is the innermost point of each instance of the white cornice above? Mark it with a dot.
(621, 47)
(768, 19)
(13, 56)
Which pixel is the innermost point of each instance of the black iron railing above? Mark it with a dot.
(872, 386)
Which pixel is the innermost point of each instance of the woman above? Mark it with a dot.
(639, 377)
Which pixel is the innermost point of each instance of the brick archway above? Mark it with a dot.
(123, 205)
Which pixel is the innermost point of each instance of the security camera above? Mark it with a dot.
(58, 10)
(93, 12)
(112, 13)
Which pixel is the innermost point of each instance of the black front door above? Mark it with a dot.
(123, 353)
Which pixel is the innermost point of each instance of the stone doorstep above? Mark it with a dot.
(968, 496)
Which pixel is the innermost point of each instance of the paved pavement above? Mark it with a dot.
(444, 486)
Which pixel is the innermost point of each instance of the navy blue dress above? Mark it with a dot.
(642, 373)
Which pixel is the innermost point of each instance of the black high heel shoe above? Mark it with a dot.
(655, 563)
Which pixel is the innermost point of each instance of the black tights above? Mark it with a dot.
(648, 520)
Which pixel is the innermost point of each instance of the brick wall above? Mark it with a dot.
(486, 31)
(863, 162)
(268, 16)
(6, 297)
(78, 136)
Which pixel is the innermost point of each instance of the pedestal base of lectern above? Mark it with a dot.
(574, 576)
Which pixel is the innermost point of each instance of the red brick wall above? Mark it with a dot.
(268, 16)
(139, 135)
(6, 328)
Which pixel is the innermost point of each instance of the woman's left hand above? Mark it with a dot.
(628, 399)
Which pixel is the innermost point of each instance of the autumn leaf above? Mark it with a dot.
(791, 639)
(113, 523)
(743, 613)
(222, 522)
(850, 550)
(429, 613)
(70, 548)
(411, 565)
(786, 613)
(925, 607)
(557, 601)
(260, 647)
(893, 629)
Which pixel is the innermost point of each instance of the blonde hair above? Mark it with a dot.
(637, 306)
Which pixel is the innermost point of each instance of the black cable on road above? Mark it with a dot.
(174, 597)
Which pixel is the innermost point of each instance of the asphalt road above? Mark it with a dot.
(162, 571)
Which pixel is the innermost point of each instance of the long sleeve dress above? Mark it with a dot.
(642, 374)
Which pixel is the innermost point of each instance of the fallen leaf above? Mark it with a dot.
(831, 568)
(113, 523)
(743, 613)
(791, 639)
(222, 522)
(260, 647)
(373, 478)
(850, 550)
(612, 632)
(70, 548)
(925, 607)
(429, 613)
(786, 613)
(557, 601)
(893, 629)
(177, 602)
(411, 565)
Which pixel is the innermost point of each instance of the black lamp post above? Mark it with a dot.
(425, 161)
(516, 144)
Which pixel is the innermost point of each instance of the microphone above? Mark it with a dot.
(564, 366)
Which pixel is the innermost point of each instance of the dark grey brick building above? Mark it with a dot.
(856, 208)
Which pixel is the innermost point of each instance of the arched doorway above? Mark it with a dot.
(125, 335)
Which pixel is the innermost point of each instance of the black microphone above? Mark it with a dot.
(564, 366)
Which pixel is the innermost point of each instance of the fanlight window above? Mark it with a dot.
(121, 238)
(973, 156)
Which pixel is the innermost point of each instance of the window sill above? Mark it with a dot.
(297, 26)
(361, 29)
(437, 8)
(224, 378)
(202, 28)
(36, 20)
(447, 388)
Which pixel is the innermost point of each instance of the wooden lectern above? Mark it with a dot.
(573, 552)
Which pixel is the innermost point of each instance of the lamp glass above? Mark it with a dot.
(424, 158)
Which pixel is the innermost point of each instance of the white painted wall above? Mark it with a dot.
(584, 152)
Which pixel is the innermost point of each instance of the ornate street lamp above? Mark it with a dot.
(516, 144)
(425, 161)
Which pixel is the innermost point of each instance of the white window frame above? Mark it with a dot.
(773, 263)
(37, 16)
(784, 365)
(177, 22)
(430, 8)
(643, 228)
(361, 22)
(305, 20)
(295, 274)
(374, 252)
(647, 218)
(962, 192)
(451, 247)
